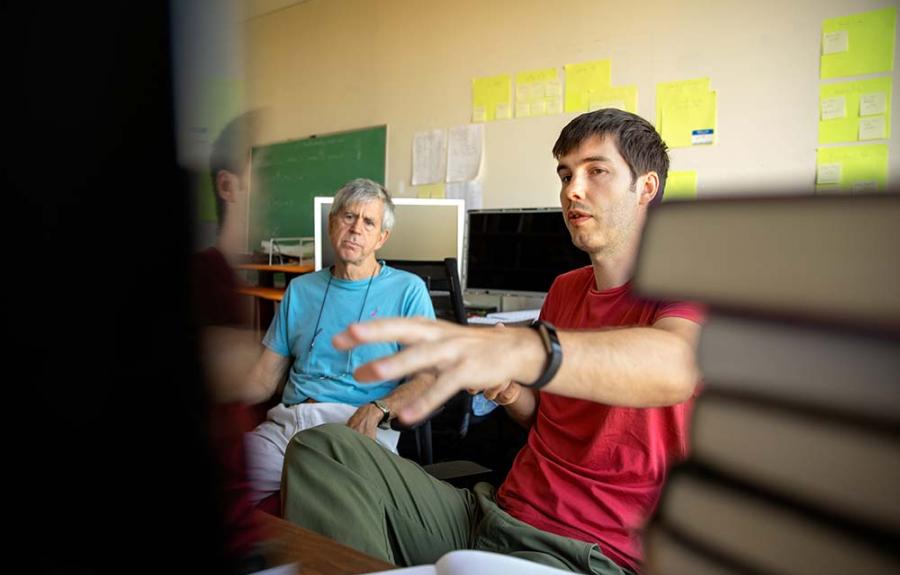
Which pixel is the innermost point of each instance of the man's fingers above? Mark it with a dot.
(445, 387)
(406, 331)
(407, 362)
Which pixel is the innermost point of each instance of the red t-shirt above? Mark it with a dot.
(216, 303)
(590, 471)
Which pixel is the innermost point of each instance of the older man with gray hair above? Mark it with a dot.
(320, 386)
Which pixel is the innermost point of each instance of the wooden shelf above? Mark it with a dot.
(284, 268)
(267, 293)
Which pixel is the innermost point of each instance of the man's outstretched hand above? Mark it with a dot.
(461, 357)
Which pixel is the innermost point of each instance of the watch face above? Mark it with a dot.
(386, 412)
(385, 417)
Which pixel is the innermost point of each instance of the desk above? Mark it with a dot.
(265, 292)
(315, 554)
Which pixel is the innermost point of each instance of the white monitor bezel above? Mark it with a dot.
(319, 201)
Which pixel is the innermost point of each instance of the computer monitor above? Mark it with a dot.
(518, 251)
(424, 229)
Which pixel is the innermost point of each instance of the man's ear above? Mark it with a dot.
(649, 187)
(227, 185)
(384, 236)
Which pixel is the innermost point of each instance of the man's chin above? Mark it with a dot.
(586, 244)
(347, 254)
(351, 259)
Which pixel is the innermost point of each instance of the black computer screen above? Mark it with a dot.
(521, 250)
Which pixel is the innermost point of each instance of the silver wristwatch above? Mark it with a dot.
(385, 422)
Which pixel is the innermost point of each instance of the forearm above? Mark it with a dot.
(229, 356)
(268, 373)
(258, 391)
(405, 392)
(629, 367)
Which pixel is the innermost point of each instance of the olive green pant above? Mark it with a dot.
(348, 487)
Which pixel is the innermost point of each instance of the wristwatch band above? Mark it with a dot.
(554, 353)
(386, 414)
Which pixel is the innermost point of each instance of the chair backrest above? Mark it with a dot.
(443, 284)
(442, 281)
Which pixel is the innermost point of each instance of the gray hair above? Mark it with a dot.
(364, 190)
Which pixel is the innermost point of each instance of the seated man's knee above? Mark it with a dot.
(325, 436)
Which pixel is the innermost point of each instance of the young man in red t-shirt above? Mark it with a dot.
(607, 403)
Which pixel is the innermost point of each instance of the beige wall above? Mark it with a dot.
(329, 65)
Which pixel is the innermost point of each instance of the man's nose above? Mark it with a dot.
(574, 189)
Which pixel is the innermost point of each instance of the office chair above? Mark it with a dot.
(453, 419)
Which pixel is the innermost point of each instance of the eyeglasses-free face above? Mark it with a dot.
(356, 232)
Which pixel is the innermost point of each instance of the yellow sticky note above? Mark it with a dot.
(835, 42)
(537, 76)
(834, 108)
(863, 98)
(554, 105)
(828, 174)
(859, 43)
(864, 186)
(686, 113)
(490, 95)
(852, 168)
(666, 91)
(619, 97)
(430, 190)
(535, 90)
(681, 185)
(582, 79)
(523, 93)
(872, 104)
(596, 102)
(553, 89)
(871, 128)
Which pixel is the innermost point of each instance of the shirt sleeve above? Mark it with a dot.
(418, 301)
(276, 338)
(692, 311)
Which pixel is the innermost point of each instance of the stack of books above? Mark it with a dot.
(795, 448)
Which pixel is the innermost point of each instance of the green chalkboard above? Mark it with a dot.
(288, 175)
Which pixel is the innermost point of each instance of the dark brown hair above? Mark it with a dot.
(636, 139)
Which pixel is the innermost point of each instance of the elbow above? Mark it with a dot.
(681, 381)
(683, 390)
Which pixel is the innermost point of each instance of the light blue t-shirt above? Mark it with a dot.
(320, 371)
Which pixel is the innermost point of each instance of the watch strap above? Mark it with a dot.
(385, 421)
(550, 339)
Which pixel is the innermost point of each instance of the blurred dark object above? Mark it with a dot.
(115, 465)
(795, 447)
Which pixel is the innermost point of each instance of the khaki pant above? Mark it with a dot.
(266, 444)
(346, 486)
